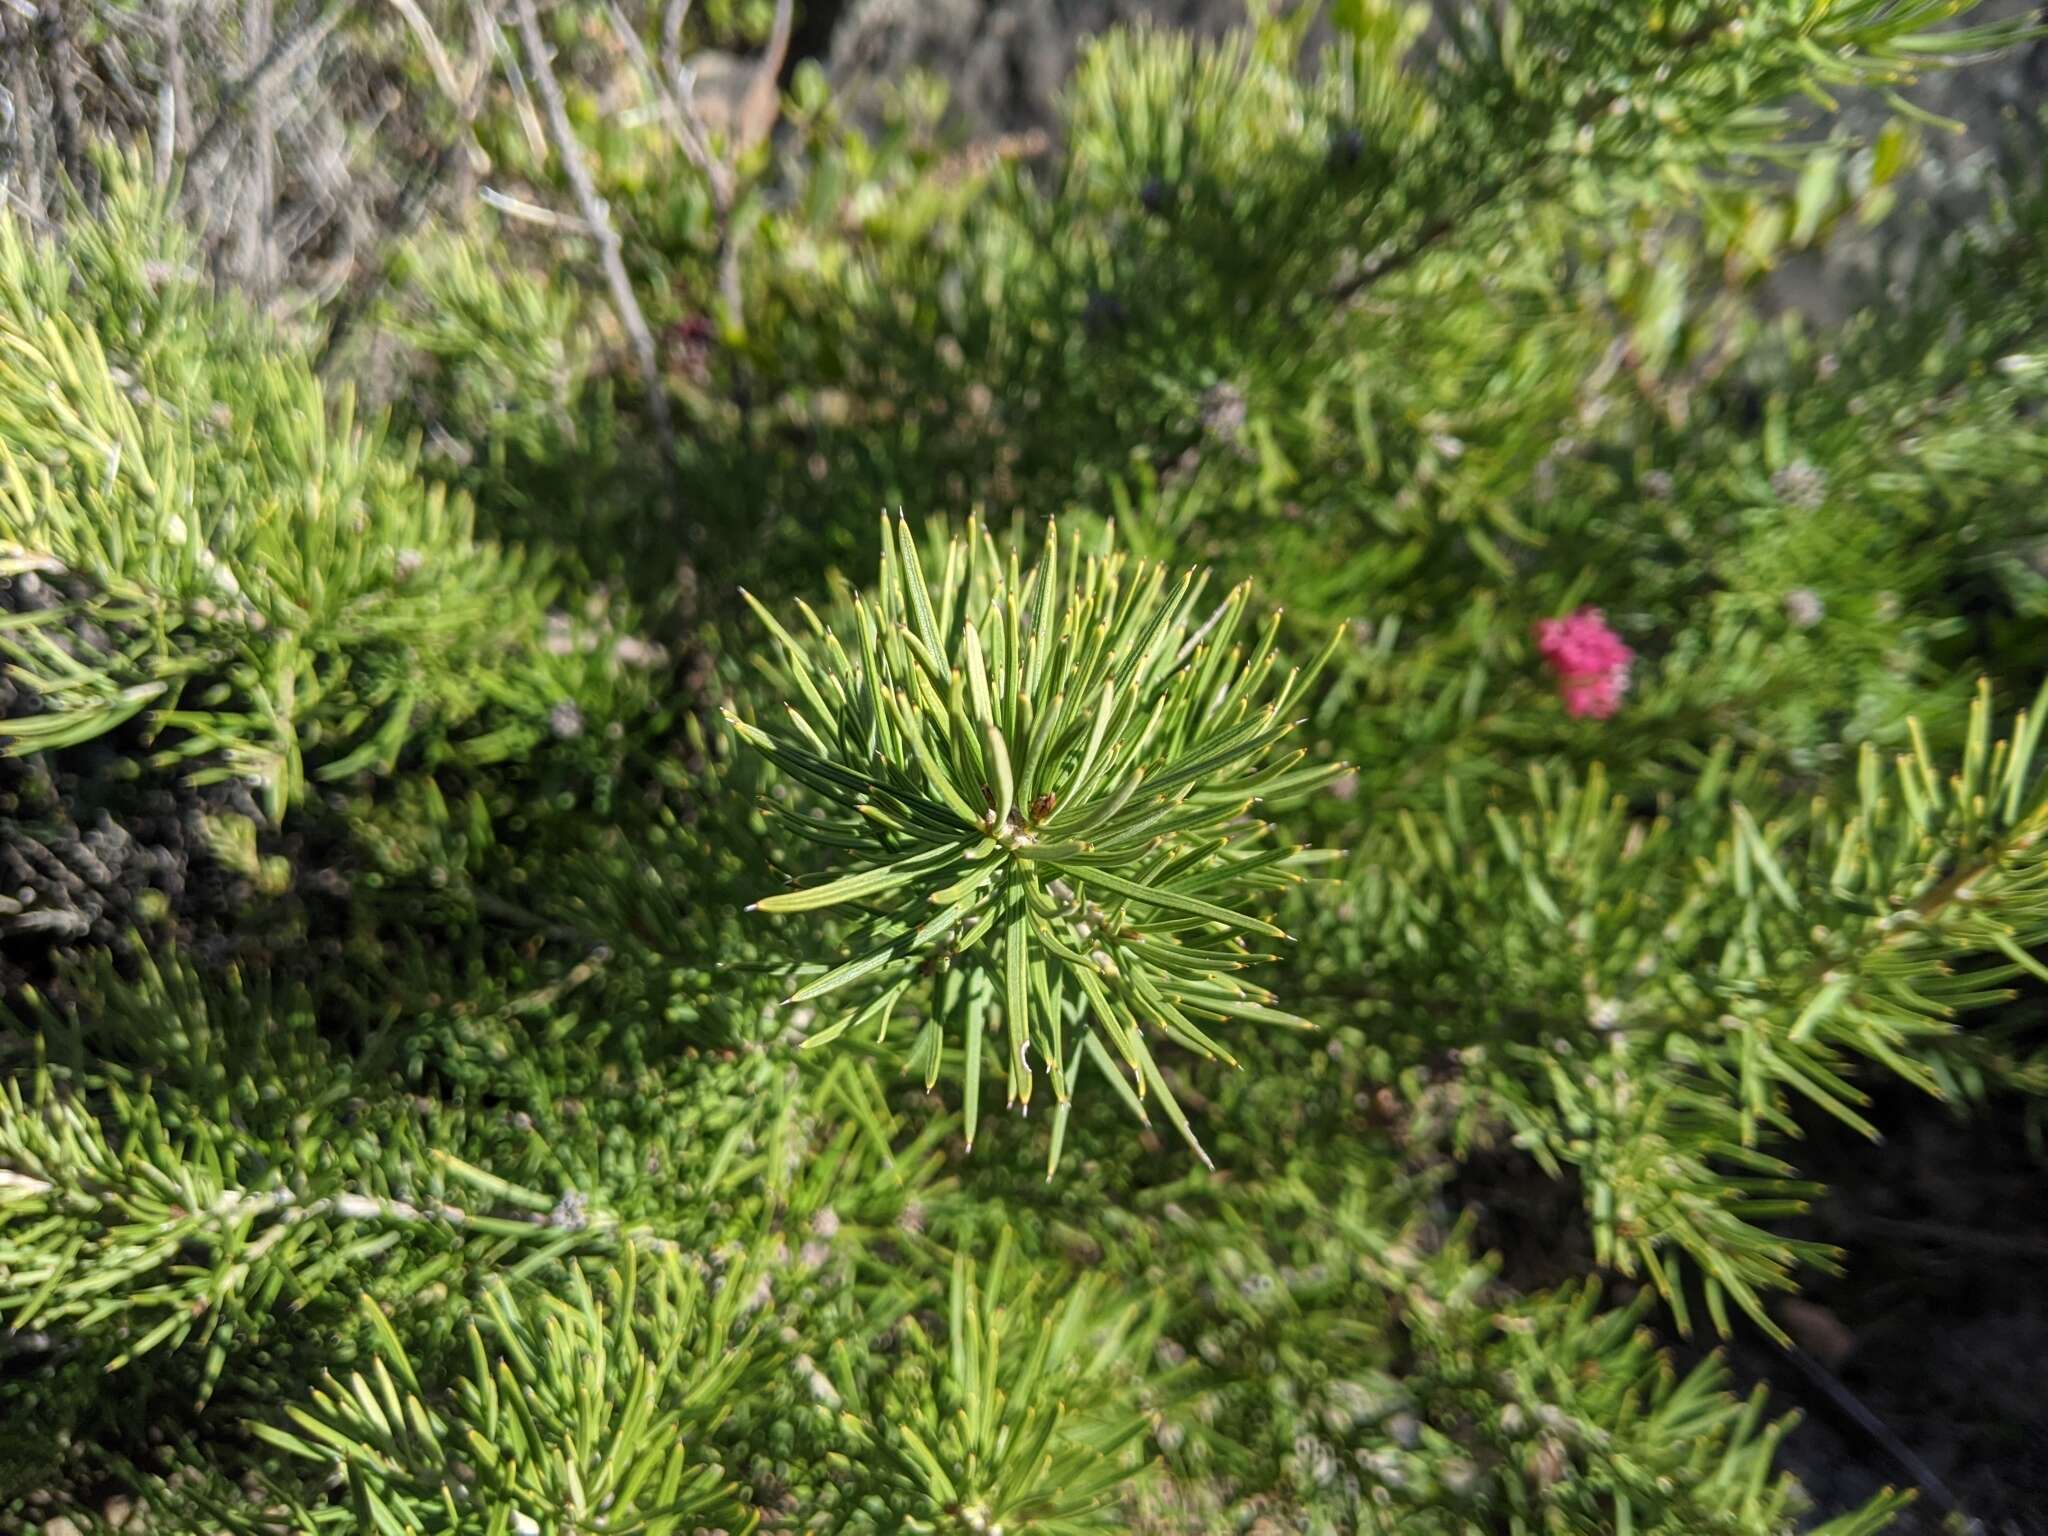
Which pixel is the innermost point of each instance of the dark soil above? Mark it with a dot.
(88, 847)
(1924, 1363)
(99, 851)
(1926, 1360)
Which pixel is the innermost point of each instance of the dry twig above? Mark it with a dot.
(284, 56)
(55, 40)
(419, 186)
(752, 122)
(258, 259)
(598, 217)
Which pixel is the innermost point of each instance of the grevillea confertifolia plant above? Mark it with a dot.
(1041, 788)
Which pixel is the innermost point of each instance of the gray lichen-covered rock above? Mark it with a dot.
(1998, 102)
(1004, 61)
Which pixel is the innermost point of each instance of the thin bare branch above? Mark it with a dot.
(174, 77)
(752, 125)
(598, 217)
(29, 211)
(413, 196)
(672, 99)
(533, 213)
(283, 57)
(430, 43)
(1852, 1407)
(258, 247)
(673, 15)
(30, 198)
(762, 103)
(171, 92)
(54, 36)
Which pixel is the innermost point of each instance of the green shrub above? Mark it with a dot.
(404, 1124)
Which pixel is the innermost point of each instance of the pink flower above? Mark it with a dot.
(1589, 660)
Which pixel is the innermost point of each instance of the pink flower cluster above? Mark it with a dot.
(1589, 660)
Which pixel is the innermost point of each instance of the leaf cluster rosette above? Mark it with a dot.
(1042, 790)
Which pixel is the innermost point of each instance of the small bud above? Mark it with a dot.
(1223, 412)
(1800, 484)
(1803, 608)
(570, 1213)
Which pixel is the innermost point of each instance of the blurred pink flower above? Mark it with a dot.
(1589, 660)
